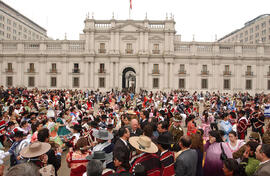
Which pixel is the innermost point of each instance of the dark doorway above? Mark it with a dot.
(129, 79)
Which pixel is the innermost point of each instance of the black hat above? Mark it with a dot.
(18, 134)
(77, 127)
(164, 138)
(104, 116)
(110, 126)
(93, 124)
(98, 155)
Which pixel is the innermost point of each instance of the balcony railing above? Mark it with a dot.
(155, 51)
(77, 70)
(249, 73)
(31, 70)
(101, 70)
(53, 70)
(102, 50)
(155, 72)
(227, 73)
(9, 70)
(182, 72)
(204, 72)
(129, 51)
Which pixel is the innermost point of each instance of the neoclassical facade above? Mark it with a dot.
(143, 54)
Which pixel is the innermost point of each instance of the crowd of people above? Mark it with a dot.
(125, 133)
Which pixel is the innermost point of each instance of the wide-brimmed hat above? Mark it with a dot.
(35, 149)
(131, 112)
(254, 135)
(98, 155)
(164, 138)
(77, 127)
(102, 134)
(143, 143)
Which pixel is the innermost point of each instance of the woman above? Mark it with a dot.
(231, 168)
(234, 144)
(197, 144)
(206, 120)
(191, 126)
(62, 129)
(76, 160)
(35, 128)
(119, 159)
(213, 163)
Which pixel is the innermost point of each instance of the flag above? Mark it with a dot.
(130, 3)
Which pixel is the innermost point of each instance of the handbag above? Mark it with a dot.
(223, 155)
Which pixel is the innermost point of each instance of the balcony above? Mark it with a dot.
(76, 70)
(249, 73)
(129, 51)
(155, 72)
(204, 72)
(9, 70)
(227, 73)
(53, 70)
(156, 51)
(102, 51)
(31, 70)
(101, 71)
(182, 72)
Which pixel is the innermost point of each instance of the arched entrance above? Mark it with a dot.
(129, 79)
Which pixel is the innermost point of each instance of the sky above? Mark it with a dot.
(201, 20)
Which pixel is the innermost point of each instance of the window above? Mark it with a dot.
(76, 68)
(76, 82)
(2, 18)
(182, 68)
(9, 66)
(14, 31)
(8, 21)
(264, 32)
(8, 36)
(263, 24)
(102, 82)
(31, 67)
(204, 68)
(20, 27)
(268, 84)
(31, 81)
(14, 38)
(227, 84)
(9, 81)
(251, 37)
(129, 48)
(156, 49)
(204, 83)
(53, 67)
(102, 68)
(102, 48)
(248, 84)
(257, 27)
(53, 81)
(241, 35)
(2, 26)
(246, 32)
(8, 28)
(251, 30)
(14, 25)
(263, 39)
(181, 83)
(248, 68)
(155, 83)
(155, 69)
(246, 39)
(227, 68)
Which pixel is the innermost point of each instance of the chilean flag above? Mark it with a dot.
(130, 2)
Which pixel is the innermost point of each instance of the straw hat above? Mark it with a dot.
(103, 135)
(143, 143)
(35, 149)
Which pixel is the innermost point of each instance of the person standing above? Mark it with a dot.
(263, 155)
(186, 162)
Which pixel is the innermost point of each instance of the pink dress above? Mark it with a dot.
(206, 126)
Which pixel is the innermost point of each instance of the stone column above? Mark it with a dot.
(141, 41)
(171, 76)
(172, 42)
(117, 83)
(117, 42)
(112, 42)
(92, 71)
(42, 78)
(166, 75)
(166, 38)
(86, 76)
(146, 42)
(92, 42)
(111, 75)
(141, 75)
(146, 75)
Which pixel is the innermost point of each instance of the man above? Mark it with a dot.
(135, 130)
(186, 162)
(122, 145)
(242, 125)
(164, 141)
(144, 115)
(257, 120)
(103, 138)
(17, 146)
(145, 150)
(162, 127)
(54, 158)
(263, 155)
(249, 162)
(176, 131)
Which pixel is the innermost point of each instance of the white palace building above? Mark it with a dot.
(143, 54)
